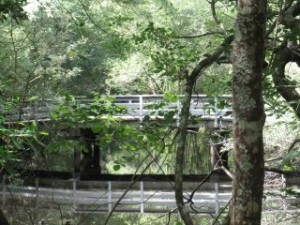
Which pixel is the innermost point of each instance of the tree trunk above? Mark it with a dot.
(3, 220)
(249, 116)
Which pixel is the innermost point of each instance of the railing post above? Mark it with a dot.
(142, 196)
(141, 107)
(178, 113)
(216, 112)
(74, 193)
(217, 204)
(109, 197)
(3, 190)
(37, 187)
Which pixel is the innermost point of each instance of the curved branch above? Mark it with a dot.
(203, 64)
(284, 86)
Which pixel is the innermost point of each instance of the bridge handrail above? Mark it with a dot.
(137, 105)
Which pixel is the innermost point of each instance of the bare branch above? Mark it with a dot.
(293, 145)
(199, 35)
(92, 20)
(276, 170)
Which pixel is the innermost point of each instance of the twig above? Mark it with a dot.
(199, 35)
(134, 180)
(91, 19)
(222, 211)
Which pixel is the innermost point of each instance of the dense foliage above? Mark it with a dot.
(58, 50)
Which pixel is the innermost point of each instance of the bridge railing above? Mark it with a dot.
(140, 198)
(138, 106)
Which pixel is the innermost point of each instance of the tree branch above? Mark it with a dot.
(203, 64)
(283, 172)
(199, 35)
(286, 88)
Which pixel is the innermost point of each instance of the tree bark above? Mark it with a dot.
(248, 109)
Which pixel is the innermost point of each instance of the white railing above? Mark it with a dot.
(140, 199)
(138, 107)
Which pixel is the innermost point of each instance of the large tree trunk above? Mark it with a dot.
(249, 116)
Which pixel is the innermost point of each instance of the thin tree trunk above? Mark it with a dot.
(181, 147)
(182, 130)
(249, 116)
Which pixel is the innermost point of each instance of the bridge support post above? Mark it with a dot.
(109, 196)
(142, 196)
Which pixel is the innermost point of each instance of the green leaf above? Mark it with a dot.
(170, 97)
(70, 97)
(96, 128)
(43, 132)
(33, 125)
(178, 223)
(32, 98)
(117, 167)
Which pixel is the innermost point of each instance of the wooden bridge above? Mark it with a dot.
(216, 111)
(102, 195)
